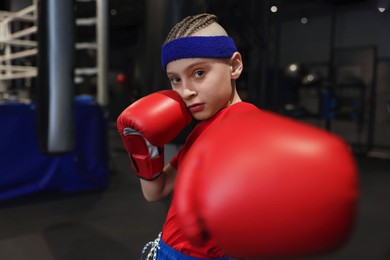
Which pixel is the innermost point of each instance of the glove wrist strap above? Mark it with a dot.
(147, 168)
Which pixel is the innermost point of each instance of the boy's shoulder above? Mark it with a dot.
(242, 107)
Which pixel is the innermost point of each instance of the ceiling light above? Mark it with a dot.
(274, 8)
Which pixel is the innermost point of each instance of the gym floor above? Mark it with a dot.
(116, 222)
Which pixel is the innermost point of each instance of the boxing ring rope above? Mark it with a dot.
(101, 47)
(8, 40)
(27, 48)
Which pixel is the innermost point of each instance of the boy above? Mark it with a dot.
(303, 179)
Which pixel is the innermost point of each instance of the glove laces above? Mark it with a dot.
(154, 247)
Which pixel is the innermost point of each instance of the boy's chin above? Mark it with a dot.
(200, 116)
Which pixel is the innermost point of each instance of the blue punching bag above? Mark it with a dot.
(55, 83)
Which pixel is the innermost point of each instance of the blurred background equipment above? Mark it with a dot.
(54, 135)
(55, 84)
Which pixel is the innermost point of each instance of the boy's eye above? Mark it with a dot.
(174, 80)
(198, 74)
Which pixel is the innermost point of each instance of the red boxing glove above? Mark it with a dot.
(262, 185)
(147, 125)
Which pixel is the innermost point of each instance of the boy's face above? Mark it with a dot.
(204, 84)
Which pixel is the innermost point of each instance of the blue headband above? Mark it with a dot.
(197, 47)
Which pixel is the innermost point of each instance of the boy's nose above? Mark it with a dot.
(188, 92)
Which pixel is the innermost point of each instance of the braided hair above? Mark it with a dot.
(190, 25)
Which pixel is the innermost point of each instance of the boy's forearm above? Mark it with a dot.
(160, 187)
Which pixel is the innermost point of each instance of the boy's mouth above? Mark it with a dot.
(196, 107)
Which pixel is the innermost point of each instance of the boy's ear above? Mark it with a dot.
(237, 65)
